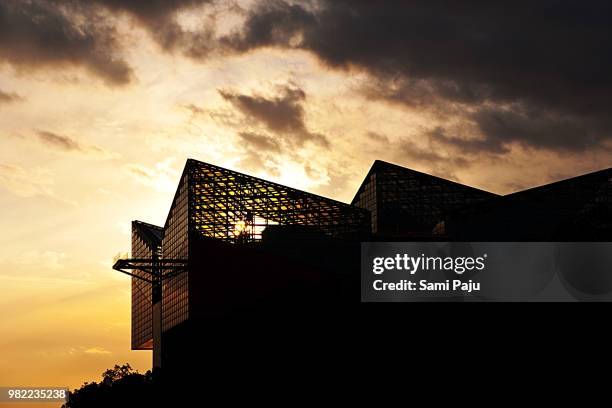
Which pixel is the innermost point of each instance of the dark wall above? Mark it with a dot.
(270, 276)
(240, 294)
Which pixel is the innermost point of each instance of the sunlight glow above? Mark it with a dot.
(239, 227)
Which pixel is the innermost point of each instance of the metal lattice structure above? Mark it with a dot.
(153, 271)
(236, 207)
(229, 206)
(575, 209)
(221, 204)
(405, 202)
(392, 202)
(149, 270)
(146, 243)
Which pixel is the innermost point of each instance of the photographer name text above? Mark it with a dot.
(427, 286)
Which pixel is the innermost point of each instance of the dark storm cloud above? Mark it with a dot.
(41, 33)
(533, 127)
(436, 163)
(424, 156)
(530, 128)
(9, 97)
(442, 136)
(272, 23)
(534, 73)
(159, 18)
(151, 11)
(549, 56)
(282, 114)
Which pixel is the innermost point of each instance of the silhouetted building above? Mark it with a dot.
(235, 244)
(405, 202)
(575, 209)
(146, 244)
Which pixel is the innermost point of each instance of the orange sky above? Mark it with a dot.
(80, 158)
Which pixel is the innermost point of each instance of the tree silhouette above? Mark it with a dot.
(120, 385)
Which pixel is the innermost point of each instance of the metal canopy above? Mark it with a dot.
(156, 270)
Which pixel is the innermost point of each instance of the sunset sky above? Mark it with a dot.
(102, 101)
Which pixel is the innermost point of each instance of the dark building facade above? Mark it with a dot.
(405, 202)
(242, 243)
(575, 209)
(146, 244)
(234, 244)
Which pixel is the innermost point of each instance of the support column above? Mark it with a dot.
(157, 334)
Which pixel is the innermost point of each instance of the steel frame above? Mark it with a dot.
(151, 267)
(236, 207)
(403, 201)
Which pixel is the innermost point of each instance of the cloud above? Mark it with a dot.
(378, 138)
(194, 109)
(472, 61)
(161, 20)
(541, 129)
(25, 182)
(57, 141)
(428, 159)
(46, 260)
(484, 63)
(42, 33)
(260, 142)
(151, 13)
(255, 162)
(162, 177)
(282, 114)
(51, 33)
(272, 23)
(331, 180)
(9, 97)
(96, 350)
(422, 152)
(67, 144)
(30, 182)
(494, 130)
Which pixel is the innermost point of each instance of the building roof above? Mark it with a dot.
(381, 166)
(220, 199)
(151, 233)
